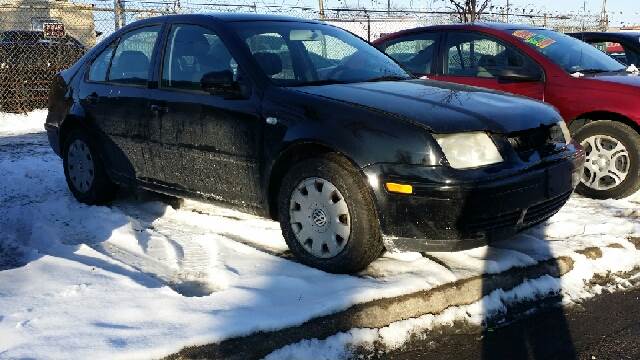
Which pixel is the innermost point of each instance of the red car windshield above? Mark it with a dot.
(569, 53)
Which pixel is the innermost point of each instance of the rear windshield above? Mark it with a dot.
(567, 52)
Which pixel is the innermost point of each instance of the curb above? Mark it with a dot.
(377, 313)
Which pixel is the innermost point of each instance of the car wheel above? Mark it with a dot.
(327, 215)
(612, 166)
(84, 171)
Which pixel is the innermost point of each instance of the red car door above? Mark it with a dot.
(476, 59)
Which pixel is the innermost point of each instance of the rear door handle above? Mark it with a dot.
(158, 109)
(92, 98)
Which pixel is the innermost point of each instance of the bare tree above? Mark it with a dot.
(468, 10)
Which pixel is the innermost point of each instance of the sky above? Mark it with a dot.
(621, 12)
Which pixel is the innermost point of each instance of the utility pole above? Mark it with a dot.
(118, 14)
(176, 6)
(389, 7)
(507, 16)
(604, 17)
(321, 8)
(584, 12)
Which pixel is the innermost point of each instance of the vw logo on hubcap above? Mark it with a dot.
(319, 217)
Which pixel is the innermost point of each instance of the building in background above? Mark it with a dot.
(77, 18)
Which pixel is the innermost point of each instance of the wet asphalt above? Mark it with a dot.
(606, 327)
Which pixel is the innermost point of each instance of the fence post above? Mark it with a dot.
(117, 14)
(368, 27)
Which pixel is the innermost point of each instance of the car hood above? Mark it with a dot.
(442, 107)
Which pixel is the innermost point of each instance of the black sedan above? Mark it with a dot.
(309, 125)
(622, 46)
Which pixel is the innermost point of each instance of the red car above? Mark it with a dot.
(596, 95)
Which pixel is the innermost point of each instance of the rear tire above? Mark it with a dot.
(85, 172)
(609, 173)
(347, 203)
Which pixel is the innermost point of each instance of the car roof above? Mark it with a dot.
(224, 17)
(487, 25)
(619, 34)
(507, 26)
(466, 26)
(232, 17)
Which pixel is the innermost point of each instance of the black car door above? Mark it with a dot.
(114, 96)
(203, 143)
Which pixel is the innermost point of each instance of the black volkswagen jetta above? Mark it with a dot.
(312, 126)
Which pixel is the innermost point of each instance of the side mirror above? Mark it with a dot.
(518, 75)
(220, 83)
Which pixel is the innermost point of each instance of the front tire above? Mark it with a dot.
(85, 172)
(612, 166)
(327, 215)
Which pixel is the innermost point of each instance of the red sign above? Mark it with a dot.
(53, 30)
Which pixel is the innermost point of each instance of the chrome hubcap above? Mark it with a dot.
(607, 163)
(320, 217)
(80, 165)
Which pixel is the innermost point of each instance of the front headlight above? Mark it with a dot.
(468, 150)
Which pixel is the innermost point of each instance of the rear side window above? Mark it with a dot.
(100, 66)
(193, 51)
(415, 53)
(132, 59)
(476, 55)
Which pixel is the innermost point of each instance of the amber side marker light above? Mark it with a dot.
(399, 188)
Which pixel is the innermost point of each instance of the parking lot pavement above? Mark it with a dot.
(600, 328)
(141, 279)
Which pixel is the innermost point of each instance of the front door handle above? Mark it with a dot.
(158, 109)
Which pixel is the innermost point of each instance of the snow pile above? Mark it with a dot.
(139, 279)
(17, 124)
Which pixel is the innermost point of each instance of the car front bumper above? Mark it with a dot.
(453, 210)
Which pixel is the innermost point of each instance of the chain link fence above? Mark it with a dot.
(39, 38)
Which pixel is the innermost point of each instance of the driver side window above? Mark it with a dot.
(475, 55)
(327, 51)
(267, 49)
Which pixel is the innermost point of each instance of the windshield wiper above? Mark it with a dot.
(320, 82)
(389, 78)
(592, 71)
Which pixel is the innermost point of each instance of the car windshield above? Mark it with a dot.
(300, 54)
(571, 54)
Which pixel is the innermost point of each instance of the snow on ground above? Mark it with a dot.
(139, 279)
(16, 124)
